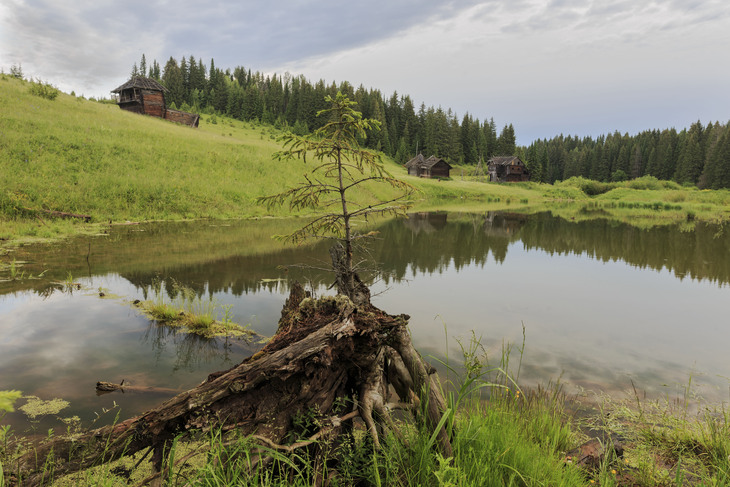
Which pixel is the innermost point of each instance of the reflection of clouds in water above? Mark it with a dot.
(594, 322)
(62, 345)
(193, 352)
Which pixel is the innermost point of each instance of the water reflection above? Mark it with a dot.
(603, 303)
(192, 352)
(240, 257)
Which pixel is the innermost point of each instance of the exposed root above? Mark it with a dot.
(327, 354)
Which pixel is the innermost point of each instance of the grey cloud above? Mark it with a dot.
(622, 8)
(265, 35)
(95, 39)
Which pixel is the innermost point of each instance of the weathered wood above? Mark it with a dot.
(103, 387)
(328, 356)
(61, 214)
(348, 283)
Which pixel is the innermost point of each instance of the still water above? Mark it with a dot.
(602, 306)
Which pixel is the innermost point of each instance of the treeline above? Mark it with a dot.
(698, 156)
(292, 102)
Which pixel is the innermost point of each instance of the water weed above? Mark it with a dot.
(188, 311)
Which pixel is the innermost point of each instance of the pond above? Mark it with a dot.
(601, 306)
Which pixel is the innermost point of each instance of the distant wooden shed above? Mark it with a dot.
(433, 167)
(147, 97)
(508, 169)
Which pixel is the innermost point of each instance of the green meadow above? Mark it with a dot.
(73, 155)
(86, 157)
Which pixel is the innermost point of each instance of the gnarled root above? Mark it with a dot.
(326, 354)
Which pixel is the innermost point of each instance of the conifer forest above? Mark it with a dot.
(698, 155)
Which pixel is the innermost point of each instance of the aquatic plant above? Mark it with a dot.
(189, 312)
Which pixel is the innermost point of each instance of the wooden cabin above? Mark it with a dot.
(147, 97)
(508, 169)
(433, 167)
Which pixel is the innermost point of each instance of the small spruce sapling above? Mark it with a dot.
(341, 166)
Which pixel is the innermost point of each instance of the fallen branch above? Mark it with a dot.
(103, 387)
(61, 214)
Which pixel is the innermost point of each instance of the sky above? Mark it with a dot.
(549, 67)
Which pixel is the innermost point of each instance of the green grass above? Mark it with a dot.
(191, 313)
(666, 442)
(508, 441)
(75, 155)
(66, 153)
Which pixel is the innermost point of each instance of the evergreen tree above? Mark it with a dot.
(506, 142)
(185, 72)
(410, 125)
(537, 174)
(623, 161)
(716, 173)
(342, 166)
(155, 72)
(173, 81)
(691, 159)
(143, 66)
(490, 136)
(636, 162)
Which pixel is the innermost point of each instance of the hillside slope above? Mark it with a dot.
(75, 155)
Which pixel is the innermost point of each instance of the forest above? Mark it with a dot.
(697, 156)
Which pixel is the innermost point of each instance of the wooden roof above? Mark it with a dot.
(503, 160)
(140, 82)
(433, 160)
(416, 161)
(420, 161)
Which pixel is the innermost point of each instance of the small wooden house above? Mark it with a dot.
(508, 169)
(433, 167)
(146, 96)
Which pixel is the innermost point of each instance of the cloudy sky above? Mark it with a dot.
(582, 67)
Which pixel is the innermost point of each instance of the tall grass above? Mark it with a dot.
(181, 307)
(666, 443)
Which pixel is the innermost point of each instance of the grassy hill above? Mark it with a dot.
(79, 156)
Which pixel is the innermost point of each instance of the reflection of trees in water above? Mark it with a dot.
(700, 252)
(269, 272)
(421, 246)
(203, 257)
(424, 243)
(193, 351)
(430, 243)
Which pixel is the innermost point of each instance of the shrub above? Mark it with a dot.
(44, 90)
(16, 71)
(619, 176)
(645, 182)
(588, 186)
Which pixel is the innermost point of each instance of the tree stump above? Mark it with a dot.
(329, 355)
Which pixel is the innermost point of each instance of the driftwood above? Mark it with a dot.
(61, 214)
(103, 387)
(328, 356)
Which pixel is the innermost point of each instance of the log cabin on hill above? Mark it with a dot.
(433, 167)
(146, 96)
(508, 169)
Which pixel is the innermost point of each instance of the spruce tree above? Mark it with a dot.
(341, 166)
(506, 142)
(173, 81)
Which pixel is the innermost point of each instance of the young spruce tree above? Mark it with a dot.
(341, 166)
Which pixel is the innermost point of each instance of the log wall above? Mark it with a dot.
(190, 119)
(154, 103)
